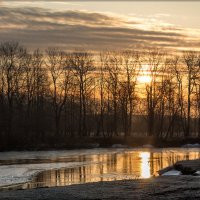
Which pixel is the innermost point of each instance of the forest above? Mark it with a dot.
(52, 96)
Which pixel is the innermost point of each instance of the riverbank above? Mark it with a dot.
(166, 187)
(100, 142)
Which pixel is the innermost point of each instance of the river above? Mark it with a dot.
(59, 168)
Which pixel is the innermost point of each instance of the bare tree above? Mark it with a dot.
(102, 93)
(40, 90)
(82, 67)
(191, 60)
(154, 61)
(131, 68)
(11, 61)
(114, 71)
(171, 97)
(60, 75)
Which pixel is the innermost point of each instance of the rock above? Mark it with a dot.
(193, 164)
(188, 171)
(185, 167)
(188, 167)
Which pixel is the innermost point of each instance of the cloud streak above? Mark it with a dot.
(38, 27)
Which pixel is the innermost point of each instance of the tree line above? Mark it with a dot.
(53, 95)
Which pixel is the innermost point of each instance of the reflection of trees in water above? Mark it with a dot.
(107, 167)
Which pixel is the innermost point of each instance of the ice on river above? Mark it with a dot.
(15, 174)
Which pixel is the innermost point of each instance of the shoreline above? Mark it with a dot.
(165, 187)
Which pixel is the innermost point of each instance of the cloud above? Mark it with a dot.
(38, 27)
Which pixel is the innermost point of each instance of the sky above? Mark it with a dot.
(101, 25)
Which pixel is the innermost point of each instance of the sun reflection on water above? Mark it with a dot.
(145, 164)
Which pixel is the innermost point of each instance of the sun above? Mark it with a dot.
(144, 79)
(144, 76)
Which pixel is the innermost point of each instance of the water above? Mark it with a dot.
(75, 167)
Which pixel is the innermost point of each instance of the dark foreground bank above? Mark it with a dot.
(95, 142)
(168, 187)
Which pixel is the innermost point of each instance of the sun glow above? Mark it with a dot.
(144, 76)
(144, 79)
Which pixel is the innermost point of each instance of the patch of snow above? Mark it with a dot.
(95, 145)
(172, 173)
(191, 145)
(148, 146)
(197, 173)
(119, 146)
(21, 173)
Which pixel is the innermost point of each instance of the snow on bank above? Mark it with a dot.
(21, 173)
(197, 145)
(172, 173)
